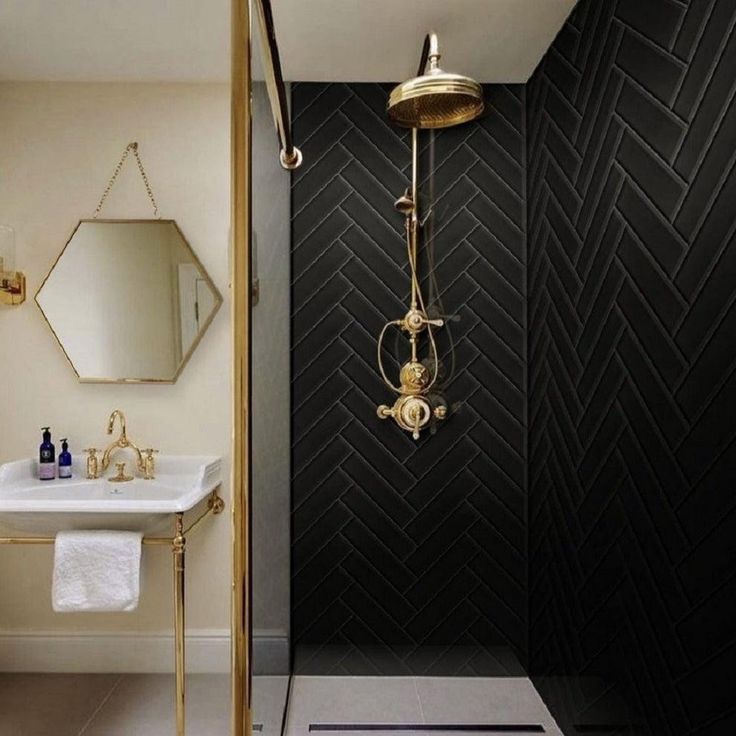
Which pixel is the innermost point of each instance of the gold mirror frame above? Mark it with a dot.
(195, 343)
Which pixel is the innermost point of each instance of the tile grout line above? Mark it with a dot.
(103, 702)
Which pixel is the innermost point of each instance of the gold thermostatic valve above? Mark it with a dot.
(412, 413)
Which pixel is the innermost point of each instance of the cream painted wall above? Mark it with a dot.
(58, 146)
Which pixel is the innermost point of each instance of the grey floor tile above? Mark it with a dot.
(486, 700)
(143, 705)
(359, 700)
(50, 704)
(269, 701)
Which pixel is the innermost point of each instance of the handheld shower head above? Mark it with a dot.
(405, 203)
(434, 98)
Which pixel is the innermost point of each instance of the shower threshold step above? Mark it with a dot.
(350, 705)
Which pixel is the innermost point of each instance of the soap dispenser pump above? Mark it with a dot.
(47, 457)
(65, 460)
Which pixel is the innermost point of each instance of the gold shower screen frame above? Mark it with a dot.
(240, 193)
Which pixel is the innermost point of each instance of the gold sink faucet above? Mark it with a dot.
(145, 468)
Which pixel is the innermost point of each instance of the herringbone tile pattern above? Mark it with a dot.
(413, 547)
(632, 358)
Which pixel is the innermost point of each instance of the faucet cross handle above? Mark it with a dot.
(149, 464)
(92, 464)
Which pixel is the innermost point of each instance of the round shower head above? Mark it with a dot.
(436, 99)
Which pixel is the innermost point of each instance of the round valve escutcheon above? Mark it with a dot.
(414, 321)
(413, 413)
(414, 377)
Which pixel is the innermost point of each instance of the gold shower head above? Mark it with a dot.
(435, 99)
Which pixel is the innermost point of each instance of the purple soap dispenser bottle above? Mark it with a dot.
(46, 457)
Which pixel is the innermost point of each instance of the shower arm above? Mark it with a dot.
(290, 156)
(430, 50)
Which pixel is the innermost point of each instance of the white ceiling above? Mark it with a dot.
(320, 40)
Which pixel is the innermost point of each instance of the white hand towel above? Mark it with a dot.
(96, 571)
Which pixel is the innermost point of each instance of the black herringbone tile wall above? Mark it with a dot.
(632, 358)
(418, 548)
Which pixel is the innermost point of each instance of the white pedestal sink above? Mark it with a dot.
(45, 507)
(42, 508)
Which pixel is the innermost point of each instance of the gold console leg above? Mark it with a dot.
(178, 549)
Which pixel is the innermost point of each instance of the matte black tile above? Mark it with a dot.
(716, 294)
(669, 362)
(657, 19)
(652, 283)
(705, 56)
(650, 66)
(657, 180)
(712, 236)
(696, 15)
(715, 164)
(650, 119)
(695, 395)
(653, 230)
(562, 74)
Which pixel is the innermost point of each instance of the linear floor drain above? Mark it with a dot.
(432, 727)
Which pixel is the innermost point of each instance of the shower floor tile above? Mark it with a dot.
(269, 704)
(351, 700)
(341, 705)
(481, 700)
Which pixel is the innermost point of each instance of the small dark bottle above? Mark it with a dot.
(65, 460)
(47, 457)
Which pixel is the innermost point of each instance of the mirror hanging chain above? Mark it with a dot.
(133, 146)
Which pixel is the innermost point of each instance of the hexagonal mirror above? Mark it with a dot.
(128, 301)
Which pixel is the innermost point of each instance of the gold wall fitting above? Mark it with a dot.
(216, 504)
(291, 162)
(290, 156)
(12, 282)
(12, 288)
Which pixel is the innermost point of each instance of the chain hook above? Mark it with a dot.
(132, 146)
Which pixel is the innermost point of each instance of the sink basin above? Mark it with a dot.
(45, 507)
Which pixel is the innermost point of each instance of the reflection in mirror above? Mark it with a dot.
(128, 300)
